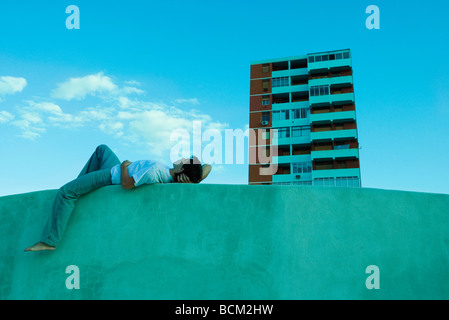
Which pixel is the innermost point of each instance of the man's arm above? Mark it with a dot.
(126, 181)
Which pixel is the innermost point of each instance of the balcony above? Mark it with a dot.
(290, 73)
(335, 154)
(280, 98)
(336, 99)
(335, 81)
(292, 158)
(342, 116)
(290, 123)
(334, 173)
(340, 64)
(334, 134)
(294, 177)
(299, 96)
(292, 140)
(289, 105)
(288, 89)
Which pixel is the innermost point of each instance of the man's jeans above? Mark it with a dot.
(95, 174)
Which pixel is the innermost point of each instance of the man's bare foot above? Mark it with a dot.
(40, 246)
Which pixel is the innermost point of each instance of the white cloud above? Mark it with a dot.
(193, 101)
(126, 115)
(78, 88)
(5, 116)
(125, 102)
(131, 90)
(154, 127)
(64, 118)
(148, 125)
(215, 126)
(28, 127)
(48, 110)
(114, 128)
(90, 115)
(132, 83)
(97, 114)
(94, 84)
(11, 85)
(44, 106)
(32, 117)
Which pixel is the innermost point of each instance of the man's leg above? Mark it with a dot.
(102, 158)
(95, 174)
(64, 203)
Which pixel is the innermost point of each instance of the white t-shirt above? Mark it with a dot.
(144, 172)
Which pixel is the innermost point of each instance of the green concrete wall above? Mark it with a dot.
(230, 242)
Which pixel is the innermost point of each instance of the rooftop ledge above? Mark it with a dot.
(230, 242)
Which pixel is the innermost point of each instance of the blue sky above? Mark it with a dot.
(136, 70)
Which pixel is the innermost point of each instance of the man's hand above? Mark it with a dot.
(126, 163)
(182, 178)
(126, 181)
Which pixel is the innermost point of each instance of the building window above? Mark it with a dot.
(266, 84)
(348, 182)
(265, 119)
(265, 68)
(319, 90)
(302, 183)
(324, 182)
(266, 134)
(341, 146)
(302, 167)
(300, 131)
(281, 183)
(342, 55)
(338, 182)
(265, 100)
(280, 82)
(281, 115)
(323, 57)
(326, 57)
(283, 132)
(300, 113)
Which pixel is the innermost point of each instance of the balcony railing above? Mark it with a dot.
(342, 182)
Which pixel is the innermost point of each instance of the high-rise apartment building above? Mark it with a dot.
(303, 112)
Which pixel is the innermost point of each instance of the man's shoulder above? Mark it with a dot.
(159, 164)
(151, 162)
